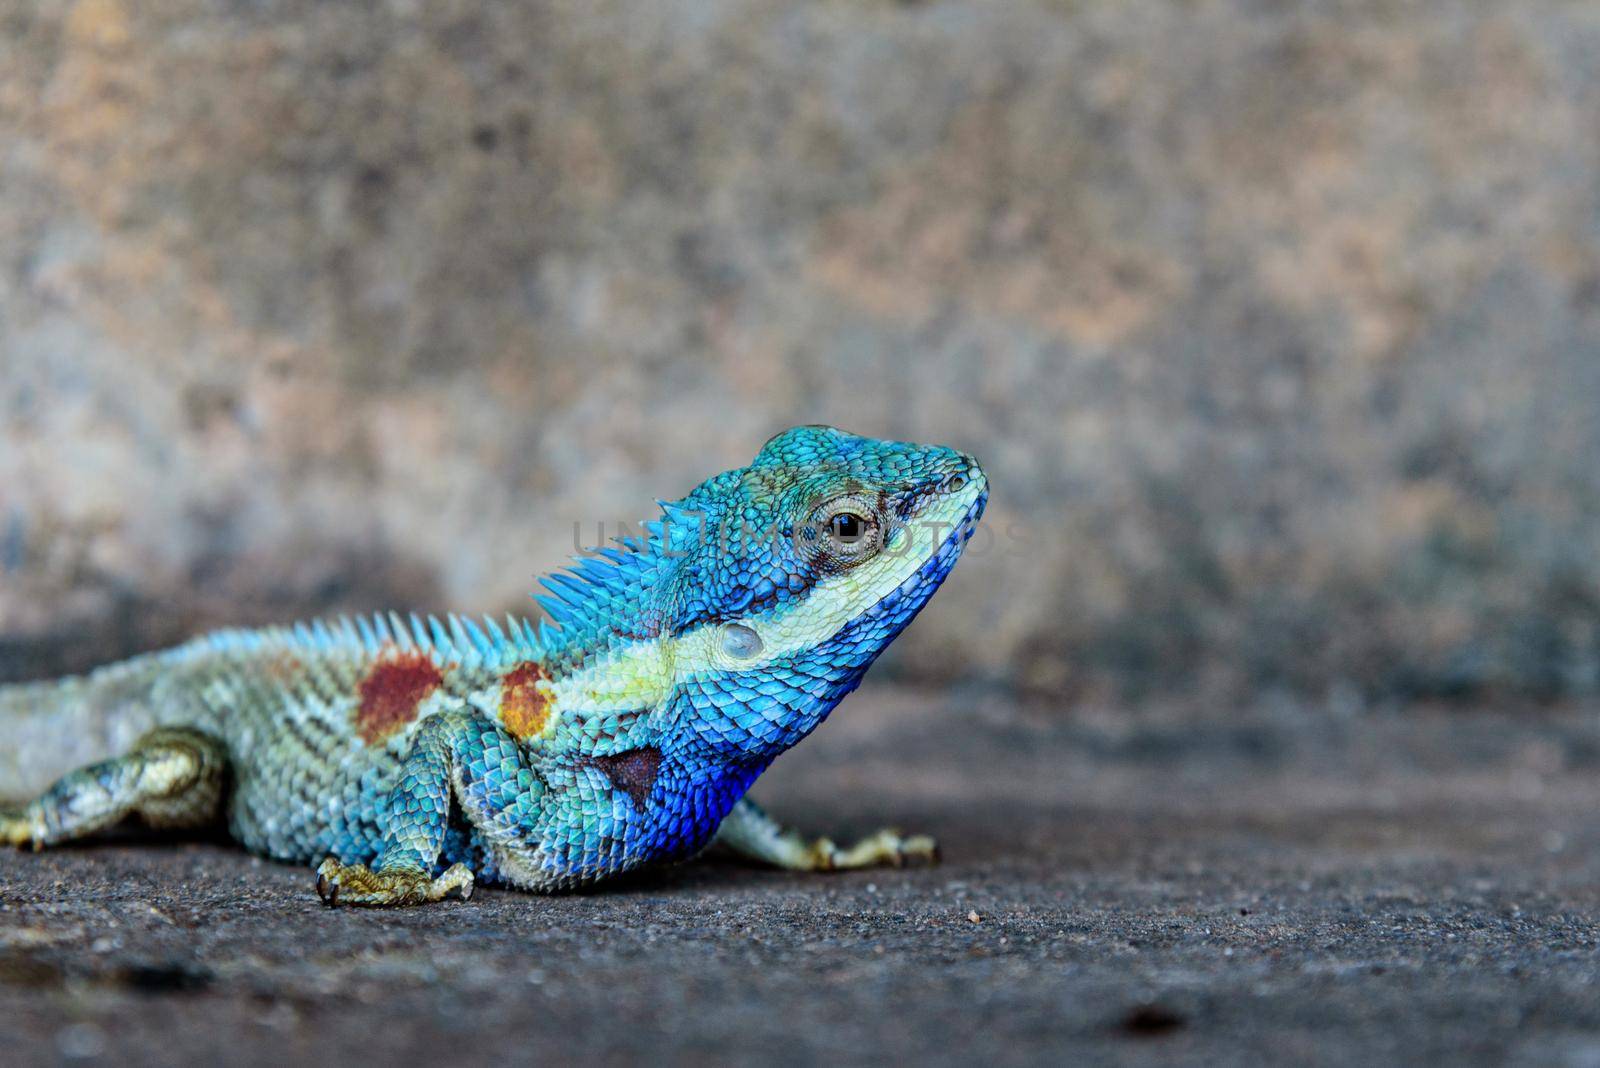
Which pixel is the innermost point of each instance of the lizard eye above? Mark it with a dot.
(847, 527)
(850, 533)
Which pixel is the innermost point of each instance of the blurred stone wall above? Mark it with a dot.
(1277, 326)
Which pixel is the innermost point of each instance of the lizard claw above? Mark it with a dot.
(917, 849)
(356, 884)
(327, 889)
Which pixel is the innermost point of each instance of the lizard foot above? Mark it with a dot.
(16, 829)
(886, 847)
(356, 884)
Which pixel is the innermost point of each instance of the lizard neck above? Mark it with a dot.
(617, 673)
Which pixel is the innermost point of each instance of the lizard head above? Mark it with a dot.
(800, 569)
(757, 602)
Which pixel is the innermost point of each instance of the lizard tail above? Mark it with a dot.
(48, 728)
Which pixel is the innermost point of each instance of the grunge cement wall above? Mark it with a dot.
(1276, 326)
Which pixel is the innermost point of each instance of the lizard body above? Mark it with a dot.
(413, 757)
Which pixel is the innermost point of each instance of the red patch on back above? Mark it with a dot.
(391, 693)
(524, 708)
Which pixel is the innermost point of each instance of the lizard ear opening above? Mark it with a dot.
(741, 642)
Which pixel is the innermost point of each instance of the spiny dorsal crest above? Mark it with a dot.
(455, 639)
(614, 591)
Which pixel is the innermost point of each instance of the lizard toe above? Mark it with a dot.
(887, 847)
(917, 849)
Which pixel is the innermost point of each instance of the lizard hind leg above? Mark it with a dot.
(173, 777)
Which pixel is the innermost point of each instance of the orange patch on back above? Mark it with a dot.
(391, 693)
(524, 708)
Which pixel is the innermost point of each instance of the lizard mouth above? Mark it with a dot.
(924, 580)
(951, 547)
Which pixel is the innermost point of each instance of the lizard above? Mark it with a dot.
(411, 759)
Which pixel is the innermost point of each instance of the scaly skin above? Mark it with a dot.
(414, 758)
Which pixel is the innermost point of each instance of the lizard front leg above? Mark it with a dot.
(750, 832)
(456, 757)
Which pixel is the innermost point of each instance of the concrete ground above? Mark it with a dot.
(1298, 885)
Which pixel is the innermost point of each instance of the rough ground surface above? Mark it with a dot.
(1298, 886)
